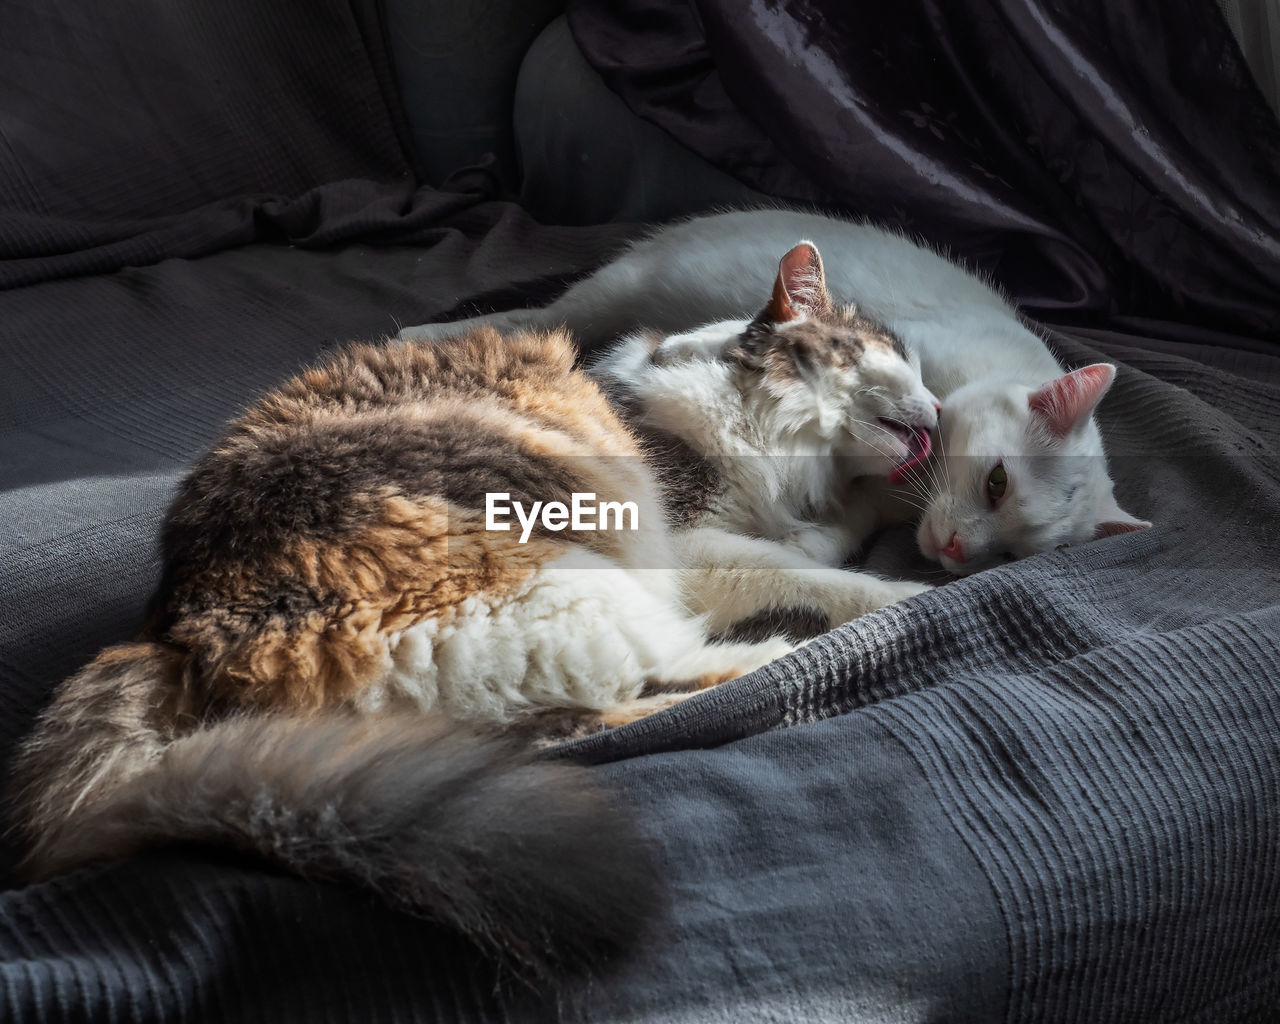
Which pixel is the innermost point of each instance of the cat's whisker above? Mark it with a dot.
(931, 470)
(880, 449)
(913, 504)
(942, 459)
(935, 468)
(920, 505)
(884, 431)
(919, 487)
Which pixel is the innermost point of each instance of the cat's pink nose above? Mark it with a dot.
(953, 550)
(937, 406)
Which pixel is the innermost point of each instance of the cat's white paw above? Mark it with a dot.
(869, 594)
(744, 658)
(774, 649)
(825, 545)
(903, 589)
(718, 663)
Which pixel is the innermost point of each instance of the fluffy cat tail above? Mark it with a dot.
(527, 859)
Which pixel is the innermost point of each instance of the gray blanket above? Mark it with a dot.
(1047, 792)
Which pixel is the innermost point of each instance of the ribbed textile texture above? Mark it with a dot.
(1044, 793)
(1102, 724)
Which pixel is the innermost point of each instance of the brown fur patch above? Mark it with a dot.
(348, 506)
(550, 726)
(835, 340)
(560, 725)
(421, 562)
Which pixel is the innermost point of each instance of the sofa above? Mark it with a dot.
(1047, 792)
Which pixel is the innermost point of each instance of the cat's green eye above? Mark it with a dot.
(997, 481)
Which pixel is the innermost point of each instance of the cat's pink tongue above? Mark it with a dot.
(920, 445)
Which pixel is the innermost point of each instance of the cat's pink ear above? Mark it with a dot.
(1113, 521)
(800, 288)
(1066, 402)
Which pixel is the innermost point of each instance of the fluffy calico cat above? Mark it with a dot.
(1020, 466)
(345, 627)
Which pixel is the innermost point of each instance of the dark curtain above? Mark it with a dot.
(1104, 160)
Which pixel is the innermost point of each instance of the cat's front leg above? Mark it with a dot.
(730, 578)
(824, 543)
(834, 543)
(833, 540)
(862, 506)
(700, 669)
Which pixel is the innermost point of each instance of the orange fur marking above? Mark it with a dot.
(304, 620)
(421, 562)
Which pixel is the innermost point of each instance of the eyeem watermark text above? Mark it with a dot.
(582, 513)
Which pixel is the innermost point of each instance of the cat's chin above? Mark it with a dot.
(953, 567)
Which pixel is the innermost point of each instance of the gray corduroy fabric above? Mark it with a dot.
(1099, 726)
(1045, 793)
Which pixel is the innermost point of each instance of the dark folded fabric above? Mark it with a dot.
(1102, 156)
(135, 131)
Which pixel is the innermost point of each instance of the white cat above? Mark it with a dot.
(1020, 466)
